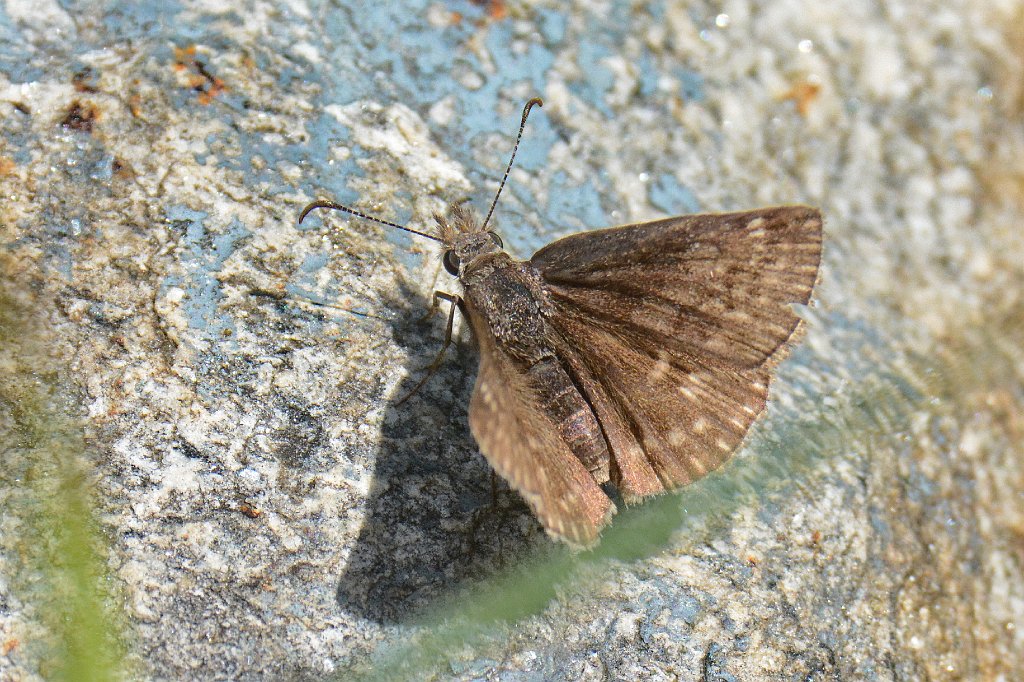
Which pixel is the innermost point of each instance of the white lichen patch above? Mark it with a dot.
(397, 131)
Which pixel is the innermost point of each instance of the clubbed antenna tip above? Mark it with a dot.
(341, 207)
(526, 112)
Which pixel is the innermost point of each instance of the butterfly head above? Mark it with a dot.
(465, 240)
(469, 244)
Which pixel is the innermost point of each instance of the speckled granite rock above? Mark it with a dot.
(221, 383)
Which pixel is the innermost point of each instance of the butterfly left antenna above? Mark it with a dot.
(341, 207)
(526, 112)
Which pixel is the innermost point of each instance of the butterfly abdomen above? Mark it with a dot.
(561, 400)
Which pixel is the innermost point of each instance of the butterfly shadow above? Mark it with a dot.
(436, 518)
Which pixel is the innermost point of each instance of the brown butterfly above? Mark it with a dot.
(637, 355)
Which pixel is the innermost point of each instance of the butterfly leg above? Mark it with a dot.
(456, 303)
(434, 303)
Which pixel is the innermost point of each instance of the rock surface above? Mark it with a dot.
(197, 403)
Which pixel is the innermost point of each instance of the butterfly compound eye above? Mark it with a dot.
(451, 263)
(496, 239)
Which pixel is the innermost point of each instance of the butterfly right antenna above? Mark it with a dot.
(522, 125)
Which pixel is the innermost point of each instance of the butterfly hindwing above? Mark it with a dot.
(523, 445)
(667, 423)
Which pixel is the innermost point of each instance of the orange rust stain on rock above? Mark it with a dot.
(496, 9)
(9, 646)
(196, 75)
(803, 94)
(249, 510)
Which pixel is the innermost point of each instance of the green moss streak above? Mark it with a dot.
(56, 554)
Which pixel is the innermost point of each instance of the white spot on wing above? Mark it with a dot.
(659, 370)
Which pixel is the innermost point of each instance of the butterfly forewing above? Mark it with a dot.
(714, 288)
(670, 329)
